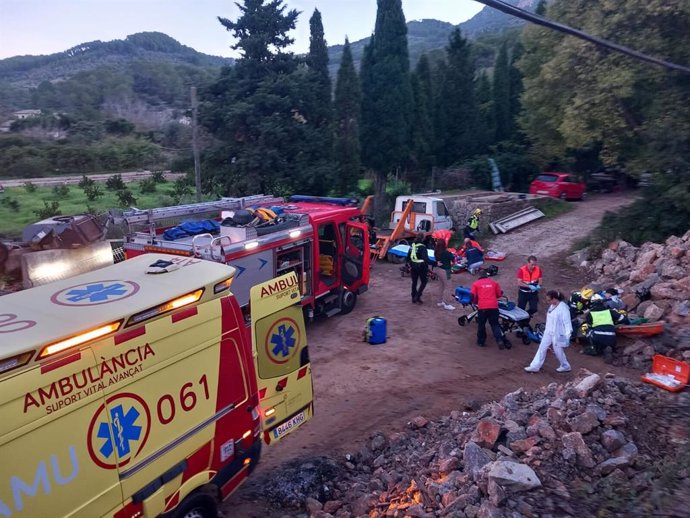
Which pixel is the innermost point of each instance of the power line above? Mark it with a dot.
(539, 20)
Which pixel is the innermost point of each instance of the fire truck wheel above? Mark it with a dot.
(198, 505)
(347, 302)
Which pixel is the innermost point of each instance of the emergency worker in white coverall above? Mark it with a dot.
(556, 333)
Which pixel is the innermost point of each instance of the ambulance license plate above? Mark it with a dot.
(288, 425)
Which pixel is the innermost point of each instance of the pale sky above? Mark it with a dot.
(34, 27)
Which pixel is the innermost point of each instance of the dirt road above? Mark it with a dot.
(430, 365)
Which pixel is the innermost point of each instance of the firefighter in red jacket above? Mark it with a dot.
(485, 294)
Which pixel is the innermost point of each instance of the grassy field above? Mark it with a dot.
(12, 221)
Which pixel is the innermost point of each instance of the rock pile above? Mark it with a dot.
(655, 279)
(592, 447)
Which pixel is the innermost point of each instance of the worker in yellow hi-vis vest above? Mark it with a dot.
(418, 259)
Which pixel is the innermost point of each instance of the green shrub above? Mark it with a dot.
(93, 192)
(61, 190)
(158, 177)
(181, 188)
(10, 203)
(125, 198)
(115, 183)
(30, 187)
(395, 188)
(147, 186)
(85, 182)
(49, 210)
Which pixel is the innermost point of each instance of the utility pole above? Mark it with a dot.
(195, 147)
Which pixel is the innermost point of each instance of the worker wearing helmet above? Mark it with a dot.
(602, 328)
(472, 225)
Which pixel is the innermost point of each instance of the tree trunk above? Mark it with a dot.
(380, 213)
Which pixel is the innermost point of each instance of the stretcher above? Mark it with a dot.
(402, 250)
(644, 329)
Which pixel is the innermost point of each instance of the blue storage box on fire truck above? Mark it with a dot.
(375, 331)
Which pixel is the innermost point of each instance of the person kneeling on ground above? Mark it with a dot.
(602, 328)
(556, 333)
(485, 293)
(474, 257)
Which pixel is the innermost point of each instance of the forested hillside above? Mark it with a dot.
(150, 67)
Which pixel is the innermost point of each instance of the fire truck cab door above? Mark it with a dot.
(281, 356)
(356, 256)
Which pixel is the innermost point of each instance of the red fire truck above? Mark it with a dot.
(323, 240)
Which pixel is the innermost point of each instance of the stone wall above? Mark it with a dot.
(494, 206)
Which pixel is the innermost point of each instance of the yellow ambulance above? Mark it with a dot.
(143, 390)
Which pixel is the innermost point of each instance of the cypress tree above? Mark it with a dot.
(386, 96)
(318, 112)
(486, 124)
(348, 98)
(422, 123)
(501, 94)
(457, 111)
(516, 90)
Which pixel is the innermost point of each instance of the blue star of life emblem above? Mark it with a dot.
(97, 292)
(283, 339)
(119, 432)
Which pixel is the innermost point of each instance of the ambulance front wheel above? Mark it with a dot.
(348, 301)
(198, 505)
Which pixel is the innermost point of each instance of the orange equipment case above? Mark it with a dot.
(667, 373)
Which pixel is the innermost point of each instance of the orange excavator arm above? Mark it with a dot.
(384, 242)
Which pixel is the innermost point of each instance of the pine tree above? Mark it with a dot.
(386, 96)
(457, 111)
(254, 108)
(501, 94)
(348, 98)
(422, 123)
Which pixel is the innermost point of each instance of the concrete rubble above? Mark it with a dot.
(598, 446)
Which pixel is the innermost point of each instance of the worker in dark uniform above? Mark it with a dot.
(602, 328)
(418, 259)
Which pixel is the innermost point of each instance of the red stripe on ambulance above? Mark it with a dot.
(130, 335)
(60, 363)
(181, 315)
(302, 372)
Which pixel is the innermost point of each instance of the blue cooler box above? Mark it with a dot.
(377, 330)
